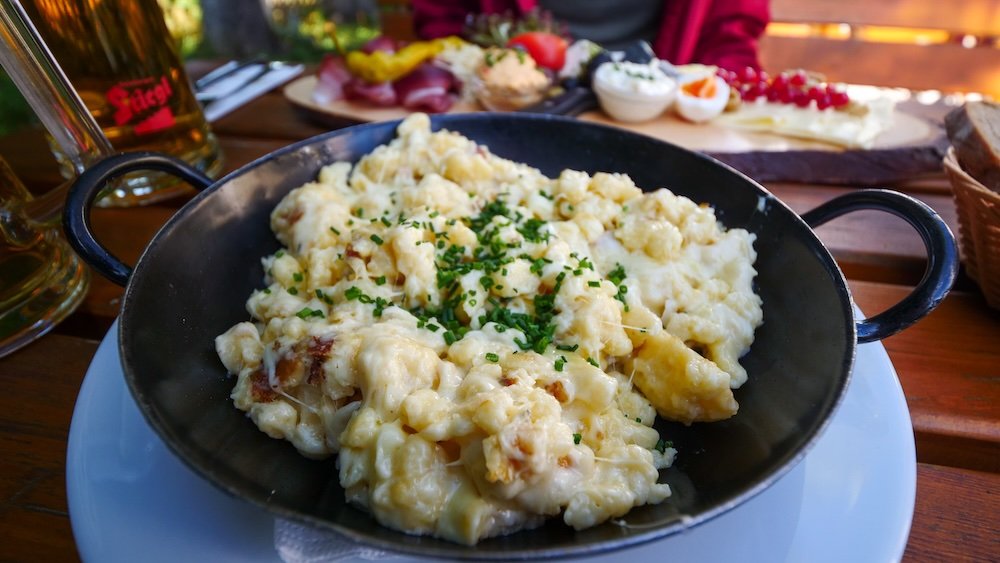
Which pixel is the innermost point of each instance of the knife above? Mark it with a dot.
(276, 74)
(224, 85)
(223, 71)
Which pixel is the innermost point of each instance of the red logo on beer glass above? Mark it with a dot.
(143, 102)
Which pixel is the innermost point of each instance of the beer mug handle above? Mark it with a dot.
(86, 188)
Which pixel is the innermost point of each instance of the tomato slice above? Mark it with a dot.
(548, 49)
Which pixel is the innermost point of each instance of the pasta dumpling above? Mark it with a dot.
(483, 347)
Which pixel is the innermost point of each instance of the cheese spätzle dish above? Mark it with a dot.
(484, 347)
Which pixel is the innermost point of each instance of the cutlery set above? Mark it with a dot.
(237, 82)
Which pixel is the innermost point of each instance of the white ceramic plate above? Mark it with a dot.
(851, 499)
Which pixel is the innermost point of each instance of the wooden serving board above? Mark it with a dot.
(912, 147)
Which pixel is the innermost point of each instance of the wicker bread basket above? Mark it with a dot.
(979, 228)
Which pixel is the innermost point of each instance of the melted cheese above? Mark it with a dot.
(843, 128)
(522, 385)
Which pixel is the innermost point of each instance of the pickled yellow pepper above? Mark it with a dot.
(381, 66)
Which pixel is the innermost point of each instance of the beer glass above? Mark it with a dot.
(123, 63)
(41, 279)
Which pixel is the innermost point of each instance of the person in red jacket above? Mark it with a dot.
(715, 32)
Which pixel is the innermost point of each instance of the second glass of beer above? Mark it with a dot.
(123, 62)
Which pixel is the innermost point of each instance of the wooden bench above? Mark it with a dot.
(889, 42)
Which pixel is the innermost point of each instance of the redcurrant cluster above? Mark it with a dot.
(794, 87)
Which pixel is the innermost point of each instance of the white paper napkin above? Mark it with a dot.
(298, 543)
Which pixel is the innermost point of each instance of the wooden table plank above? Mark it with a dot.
(42, 381)
(949, 367)
(268, 117)
(955, 517)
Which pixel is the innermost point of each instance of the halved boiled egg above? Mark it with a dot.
(701, 97)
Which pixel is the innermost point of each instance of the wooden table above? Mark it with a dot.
(949, 364)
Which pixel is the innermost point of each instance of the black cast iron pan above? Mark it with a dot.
(191, 283)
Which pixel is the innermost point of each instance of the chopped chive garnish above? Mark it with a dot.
(307, 313)
(490, 356)
(662, 445)
(298, 277)
(617, 275)
(353, 293)
(594, 283)
(293, 290)
(376, 239)
(576, 438)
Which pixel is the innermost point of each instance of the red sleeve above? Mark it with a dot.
(440, 18)
(729, 33)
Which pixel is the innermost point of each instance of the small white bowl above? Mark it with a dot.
(632, 106)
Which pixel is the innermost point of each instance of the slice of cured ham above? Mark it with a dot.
(331, 78)
(379, 94)
(428, 88)
(335, 82)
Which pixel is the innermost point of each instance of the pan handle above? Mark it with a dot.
(942, 256)
(86, 188)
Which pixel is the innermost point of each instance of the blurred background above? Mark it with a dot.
(298, 30)
(834, 37)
